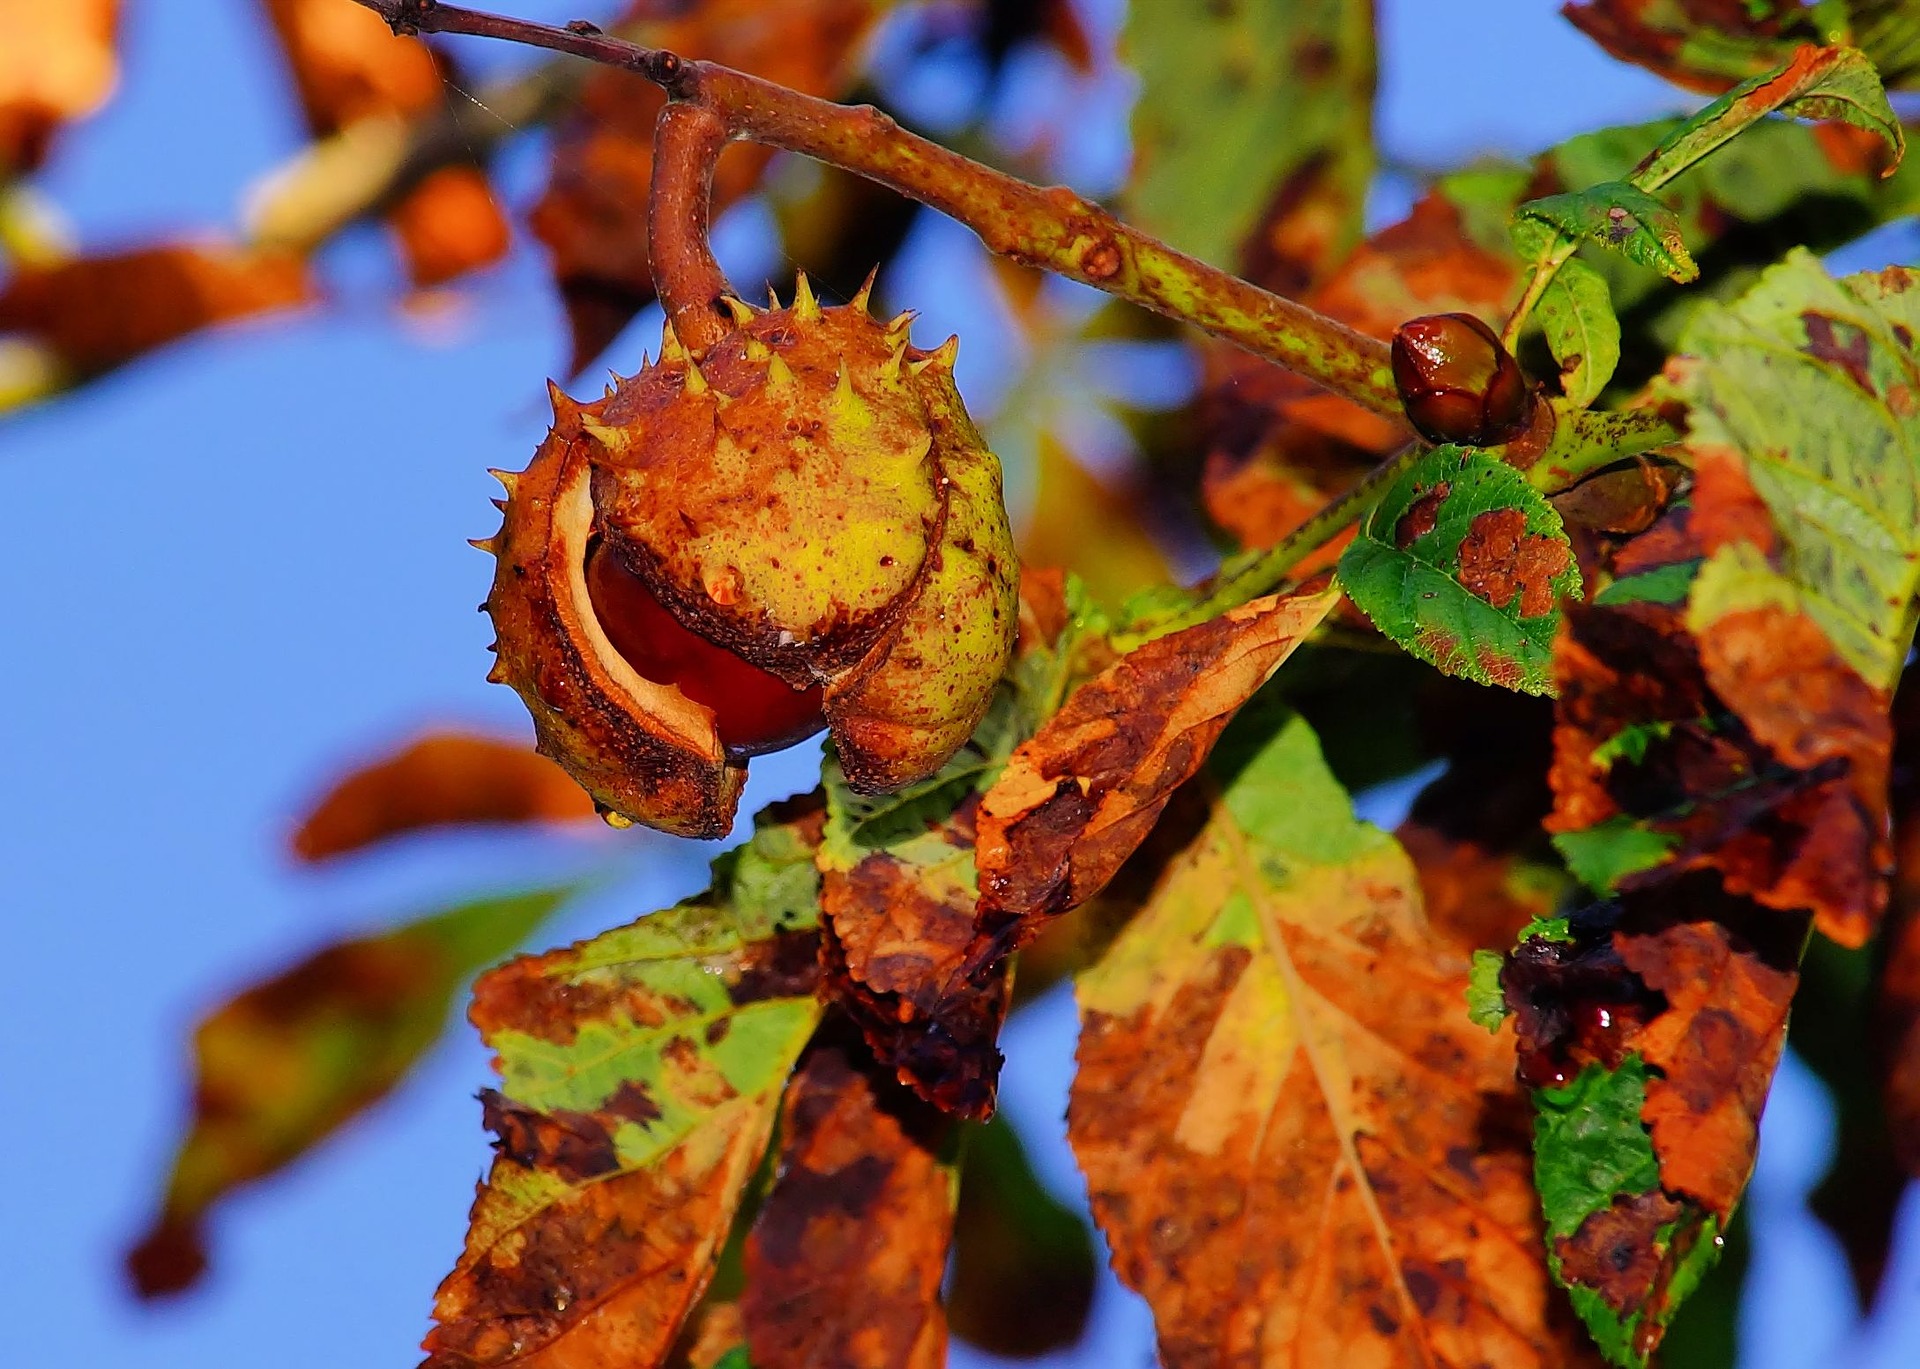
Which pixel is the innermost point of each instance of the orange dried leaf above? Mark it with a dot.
(593, 217)
(1714, 1048)
(286, 1063)
(103, 311)
(1076, 799)
(348, 65)
(449, 225)
(57, 63)
(844, 1262)
(440, 779)
(1301, 1150)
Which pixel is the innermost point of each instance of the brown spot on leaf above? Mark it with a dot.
(574, 1145)
(1499, 558)
(1421, 516)
(1842, 344)
(1614, 1251)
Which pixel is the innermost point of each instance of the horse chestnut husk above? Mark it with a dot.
(797, 527)
(1458, 383)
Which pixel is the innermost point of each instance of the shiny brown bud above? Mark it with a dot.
(1458, 383)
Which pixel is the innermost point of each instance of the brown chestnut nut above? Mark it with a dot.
(1458, 384)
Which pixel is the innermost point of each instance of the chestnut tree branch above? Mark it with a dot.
(1053, 229)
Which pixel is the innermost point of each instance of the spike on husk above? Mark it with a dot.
(805, 307)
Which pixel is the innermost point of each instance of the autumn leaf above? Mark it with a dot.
(286, 1063)
(1023, 1262)
(593, 216)
(1808, 385)
(438, 779)
(640, 1075)
(845, 1260)
(57, 64)
(99, 312)
(1708, 48)
(1298, 1146)
(1075, 801)
(1652, 1028)
(1463, 564)
(898, 892)
(348, 67)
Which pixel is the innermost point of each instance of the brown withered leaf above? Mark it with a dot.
(438, 779)
(1751, 749)
(1714, 1046)
(284, 1064)
(1076, 799)
(57, 63)
(844, 1262)
(98, 312)
(1300, 1149)
(1896, 1010)
(348, 66)
(593, 217)
(899, 922)
(1476, 896)
(640, 1075)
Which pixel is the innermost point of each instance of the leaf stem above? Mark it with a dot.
(687, 142)
(1051, 228)
(1247, 577)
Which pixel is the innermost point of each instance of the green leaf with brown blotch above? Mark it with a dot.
(845, 1259)
(1624, 218)
(640, 1074)
(1834, 83)
(1246, 109)
(283, 1065)
(1077, 799)
(1809, 384)
(1463, 563)
(1300, 1149)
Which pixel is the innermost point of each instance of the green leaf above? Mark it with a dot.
(1462, 563)
(1662, 585)
(284, 1064)
(1245, 107)
(1486, 1000)
(1577, 317)
(1818, 83)
(1624, 218)
(1630, 743)
(1606, 853)
(1589, 1145)
(1811, 382)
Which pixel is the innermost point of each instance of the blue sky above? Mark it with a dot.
(241, 564)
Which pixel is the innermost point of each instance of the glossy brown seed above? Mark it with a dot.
(1458, 383)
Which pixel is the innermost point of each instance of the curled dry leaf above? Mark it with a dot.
(1301, 1150)
(57, 63)
(1075, 801)
(640, 1075)
(283, 1065)
(844, 1262)
(103, 311)
(593, 217)
(437, 780)
(348, 66)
